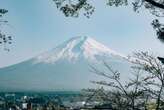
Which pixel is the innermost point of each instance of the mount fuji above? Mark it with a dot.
(65, 67)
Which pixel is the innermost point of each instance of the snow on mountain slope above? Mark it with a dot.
(75, 49)
(65, 67)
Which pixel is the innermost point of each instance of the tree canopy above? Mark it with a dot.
(4, 39)
(72, 8)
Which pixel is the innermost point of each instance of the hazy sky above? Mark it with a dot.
(37, 26)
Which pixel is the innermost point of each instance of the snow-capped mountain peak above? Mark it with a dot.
(76, 48)
(59, 68)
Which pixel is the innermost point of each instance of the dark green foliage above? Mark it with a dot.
(159, 27)
(4, 39)
(161, 59)
(3, 11)
(117, 2)
(72, 8)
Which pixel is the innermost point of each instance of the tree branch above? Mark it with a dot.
(156, 4)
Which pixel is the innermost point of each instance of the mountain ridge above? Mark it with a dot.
(68, 71)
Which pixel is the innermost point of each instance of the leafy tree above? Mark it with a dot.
(72, 8)
(159, 27)
(146, 85)
(154, 75)
(128, 96)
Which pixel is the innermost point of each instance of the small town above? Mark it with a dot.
(52, 101)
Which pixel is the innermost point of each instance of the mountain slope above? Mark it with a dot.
(65, 67)
(76, 48)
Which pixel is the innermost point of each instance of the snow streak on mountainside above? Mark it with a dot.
(65, 67)
(75, 49)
